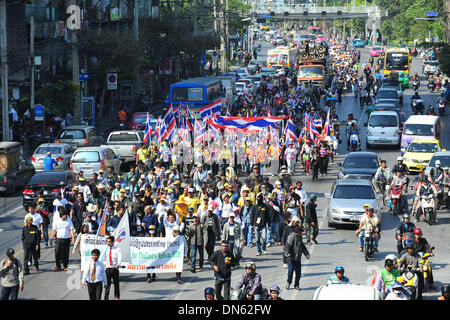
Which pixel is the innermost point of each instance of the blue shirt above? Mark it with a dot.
(49, 162)
(335, 280)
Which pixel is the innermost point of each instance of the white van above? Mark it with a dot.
(383, 128)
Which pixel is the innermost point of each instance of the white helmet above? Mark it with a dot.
(391, 257)
(437, 163)
(400, 158)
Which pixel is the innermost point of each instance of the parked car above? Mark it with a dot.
(82, 136)
(15, 171)
(61, 152)
(139, 119)
(347, 198)
(358, 43)
(359, 165)
(94, 159)
(50, 183)
(125, 144)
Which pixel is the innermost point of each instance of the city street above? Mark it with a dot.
(336, 247)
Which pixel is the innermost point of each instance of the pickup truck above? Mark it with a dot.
(125, 144)
(15, 171)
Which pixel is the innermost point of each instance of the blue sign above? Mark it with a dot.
(431, 14)
(203, 60)
(39, 112)
(264, 15)
(84, 76)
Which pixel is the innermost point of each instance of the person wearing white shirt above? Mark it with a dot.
(57, 203)
(63, 231)
(112, 261)
(94, 275)
(303, 196)
(227, 208)
(290, 155)
(170, 222)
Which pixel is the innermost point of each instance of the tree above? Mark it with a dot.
(444, 59)
(402, 26)
(357, 25)
(386, 29)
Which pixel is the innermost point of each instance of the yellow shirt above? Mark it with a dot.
(369, 223)
(192, 202)
(142, 154)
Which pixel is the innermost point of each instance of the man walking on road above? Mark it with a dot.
(311, 220)
(63, 230)
(30, 241)
(222, 261)
(11, 271)
(94, 274)
(113, 258)
(294, 250)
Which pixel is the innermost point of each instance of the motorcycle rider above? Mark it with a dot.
(384, 171)
(274, 292)
(446, 183)
(338, 277)
(353, 129)
(445, 291)
(431, 111)
(397, 293)
(421, 245)
(436, 174)
(368, 223)
(412, 258)
(251, 283)
(400, 166)
(209, 294)
(404, 226)
(424, 189)
(400, 180)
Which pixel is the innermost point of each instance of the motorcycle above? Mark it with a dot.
(242, 294)
(375, 89)
(440, 197)
(410, 280)
(354, 141)
(381, 185)
(415, 85)
(396, 198)
(441, 107)
(369, 247)
(417, 106)
(438, 85)
(431, 86)
(426, 265)
(427, 205)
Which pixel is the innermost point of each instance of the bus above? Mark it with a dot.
(265, 26)
(282, 56)
(196, 92)
(397, 60)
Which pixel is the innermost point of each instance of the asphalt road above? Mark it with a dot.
(335, 247)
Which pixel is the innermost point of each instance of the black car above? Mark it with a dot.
(359, 165)
(50, 183)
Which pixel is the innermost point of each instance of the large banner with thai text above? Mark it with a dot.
(148, 255)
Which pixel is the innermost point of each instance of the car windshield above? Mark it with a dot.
(445, 161)
(310, 72)
(397, 61)
(353, 192)
(47, 178)
(86, 156)
(383, 121)
(358, 163)
(240, 85)
(44, 150)
(423, 147)
(387, 94)
(72, 134)
(120, 137)
(376, 48)
(419, 129)
(433, 63)
(141, 119)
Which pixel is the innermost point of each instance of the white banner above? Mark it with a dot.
(148, 255)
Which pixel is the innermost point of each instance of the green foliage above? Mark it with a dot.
(59, 97)
(444, 59)
(356, 25)
(386, 29)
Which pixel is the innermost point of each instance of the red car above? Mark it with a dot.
(139, 118)
(375, 51)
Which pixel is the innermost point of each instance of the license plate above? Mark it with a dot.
(420, 166)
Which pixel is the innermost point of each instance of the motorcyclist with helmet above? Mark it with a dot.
(404, 226)
(385, 172)
(416, 96)
(353, 128)
(338, 277)
(274, 292)
(412, 258)
(431, 111)
(399, 180)
(400, 166)
(445, 291)
(421, 245)
(209, 294)
(436, 174)
(425, 188)
(251, 283)
(369, 222)
(397, 292)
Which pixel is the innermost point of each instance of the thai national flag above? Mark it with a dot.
(214, 108)
(377, 282)
(199, 130)
(291, 136)
(148, 130)
(176, 110)
(246, 123)
(326, 127)
(317, 123)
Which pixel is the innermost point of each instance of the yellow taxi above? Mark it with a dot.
(419, 153)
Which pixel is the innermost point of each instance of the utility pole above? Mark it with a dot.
(4, 64)
(75, 73)
(374, 23)
(195, 16)
(32, 102)
(222, 37)
(136, 20)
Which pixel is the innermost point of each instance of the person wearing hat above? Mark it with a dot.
(11, 271)
(424, 189)
(199, 176)
(285, 178)
(338, 277)
(49, 162)
(290, 155)
(274, 292)
(102, 177)
(159, 169)
(142, 153)
(92, 224)
(292, 202)
(115, 194)
(310, 221)
(255, 177)
(222, 261)
(294, 250)
(232, 233)
(192, 200)
(211, 230)
(196, 241)
(30, 242)
(84, 189)
(412, 258)
(446, 183)
(368, 223)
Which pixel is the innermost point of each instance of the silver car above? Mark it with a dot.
(94, 159)
(82, 136)
(61, 152)
(347, 198)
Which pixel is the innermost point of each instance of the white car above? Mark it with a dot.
(250, 86)
(241, 87)
(61, 152)
(346, 292)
